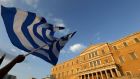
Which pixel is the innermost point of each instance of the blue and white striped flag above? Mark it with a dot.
(26, 31)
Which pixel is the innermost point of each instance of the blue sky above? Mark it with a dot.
(95, 21)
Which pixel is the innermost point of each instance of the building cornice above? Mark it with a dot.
(125, 38)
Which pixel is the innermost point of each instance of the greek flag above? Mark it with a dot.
(27, 31)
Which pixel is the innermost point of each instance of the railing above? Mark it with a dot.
(135, 76)
(128, 77)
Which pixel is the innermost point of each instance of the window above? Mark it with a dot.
(128, 73)
(77, 69)
(85, 66)
(63, 66)
(94, 63)
(67, 64)
(136, 40)
(72, 63)
(89, 55)
(62, 74)
(92, 54)
(98, 62)
(54, 75)
(91, 64)
(115, 47)
(103, 52)
(133, 55)
(67, 72)
(106, 61)
(121, 58)
(71, 71)
(77, 61)
(95, 53)
(58, 75)
(60, 67)
(125, 44)
(83, 57)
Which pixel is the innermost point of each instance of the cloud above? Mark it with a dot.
(15, 50)
(8, 57)
(57, 20)
(60, 22)
(33, 3)
(77, 47)
(7, 2)
(63, 51)
(97, 35)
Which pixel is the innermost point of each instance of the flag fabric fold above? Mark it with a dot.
(26, 31)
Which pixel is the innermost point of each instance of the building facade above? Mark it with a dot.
(103, 61)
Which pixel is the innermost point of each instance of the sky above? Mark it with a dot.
(96, 21)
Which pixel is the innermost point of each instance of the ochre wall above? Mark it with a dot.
(70, 69)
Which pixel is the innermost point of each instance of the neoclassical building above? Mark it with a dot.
(103, 61)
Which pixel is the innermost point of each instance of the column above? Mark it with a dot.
(106, 74)
(101, 75)
(111, 73)
(96, 75)
(85, 77)
(80, 77)
(92, 76)
(118, 73)
(88, 76)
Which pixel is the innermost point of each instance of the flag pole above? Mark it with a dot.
(35, 50)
